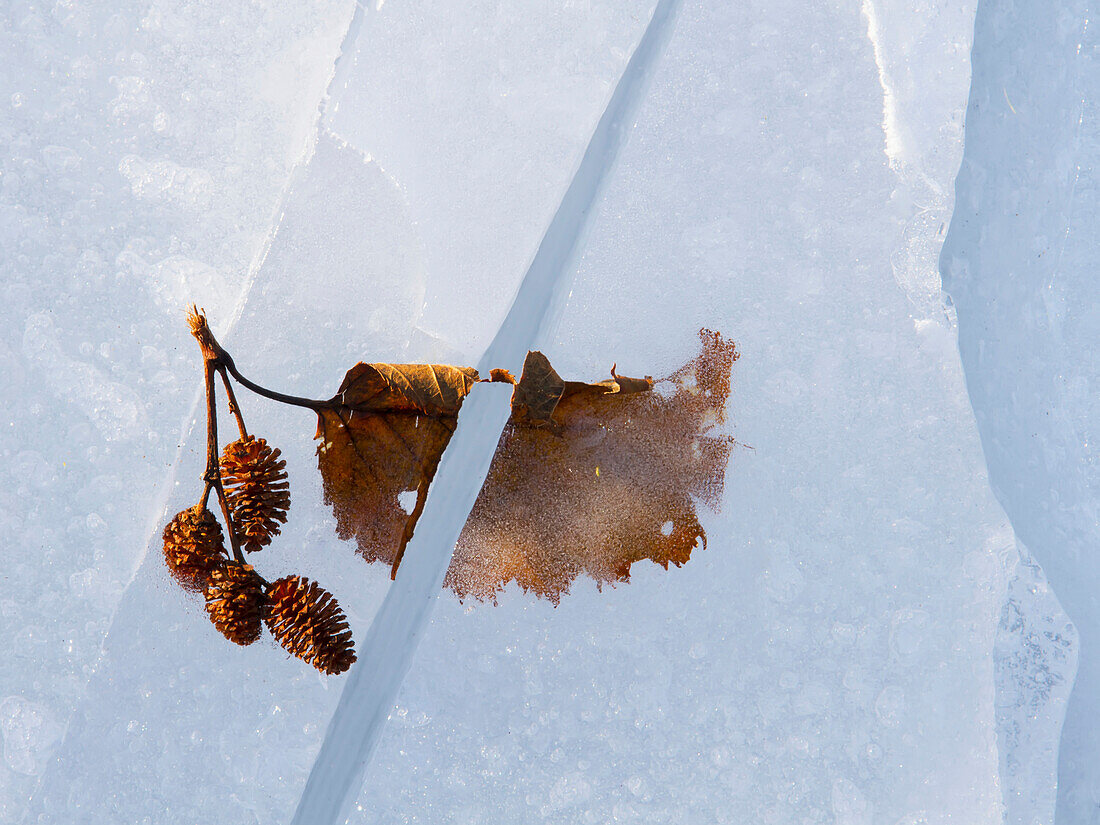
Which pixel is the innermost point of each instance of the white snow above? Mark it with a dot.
(866, 638)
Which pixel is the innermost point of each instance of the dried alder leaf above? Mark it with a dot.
(538, 391)
(429, 389)
(594, 477)
(587, 478)
(383, 436)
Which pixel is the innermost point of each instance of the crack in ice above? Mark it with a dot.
(386, 653)
(895, 145)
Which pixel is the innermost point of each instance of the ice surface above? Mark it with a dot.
(1035, 658)
(865, 639)
(342, 280)
(1020, 264)
(830, 656)
(145, 147)
(479, 111)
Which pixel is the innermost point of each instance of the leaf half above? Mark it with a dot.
(383, 436)
(591, 478)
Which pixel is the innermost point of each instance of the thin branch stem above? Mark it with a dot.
(213, 351)
(213, 475)
(310, 403)
(231, 397)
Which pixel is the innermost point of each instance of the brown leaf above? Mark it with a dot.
(501, 376)
(429, 389)
(587, 478)
(538, 391)
(594, 477)
(384, 435)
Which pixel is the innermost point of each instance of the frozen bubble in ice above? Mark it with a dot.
(890, 705)
(30, 733)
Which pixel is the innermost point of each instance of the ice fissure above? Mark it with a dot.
(1019, 264)
(386, 652)
(318, 106)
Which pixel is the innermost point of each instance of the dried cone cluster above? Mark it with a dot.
(257, 490)
(193, 547)
(235, 602)
(308, 622)
(253, 494)
(302, 616)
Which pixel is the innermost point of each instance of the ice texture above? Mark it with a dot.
(865, 638)
(480, 111)
(1035, 656)
(335, 271)
(1020, 266)
(830, 656)
(145, 147)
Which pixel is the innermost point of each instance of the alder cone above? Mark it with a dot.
(235, 602)
(193, 547)
(257, 490)
(308, 622)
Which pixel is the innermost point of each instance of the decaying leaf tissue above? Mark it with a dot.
(587, 478)
(590, 478)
